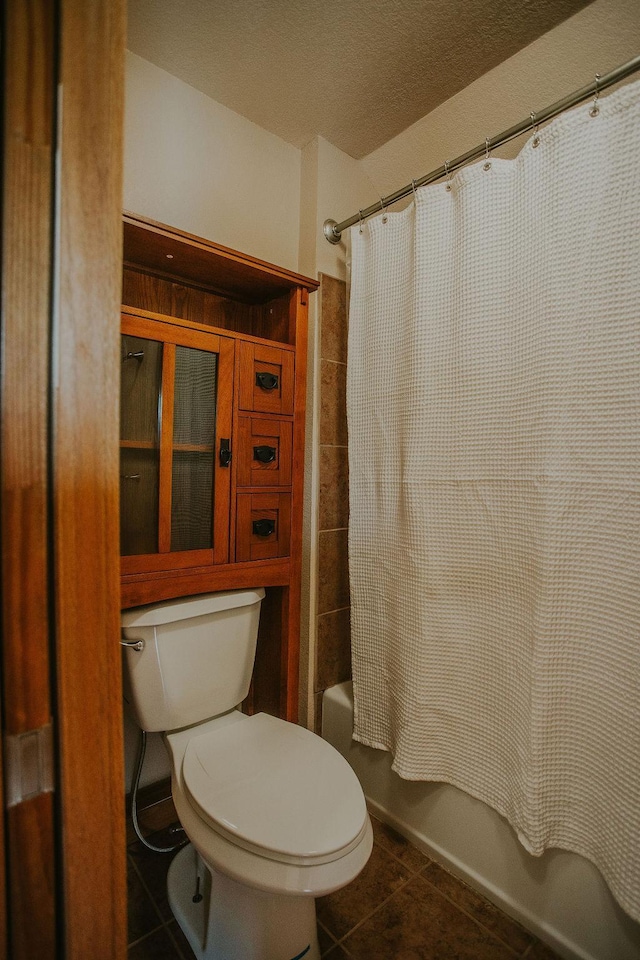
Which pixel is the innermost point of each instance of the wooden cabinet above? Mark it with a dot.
(176, 407)
(213, 383)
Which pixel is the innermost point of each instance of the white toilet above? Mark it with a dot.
(275, 816)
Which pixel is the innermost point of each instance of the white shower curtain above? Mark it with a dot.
(494, 413)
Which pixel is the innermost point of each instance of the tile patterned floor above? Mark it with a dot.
(403, 906)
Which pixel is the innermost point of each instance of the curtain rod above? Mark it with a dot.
(333, 230)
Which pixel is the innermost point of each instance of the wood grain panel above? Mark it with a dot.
(27, 187)
(145, 292)
(180, 334)
(291, 648)
(265, 693)
(223, 475)
(26, 280)
(222, 270)
(132, 312)
(33, 905)
(253, 507)
(141, 589)
(260, 358)
(187, 302)
(255, 432)
(86, 473)
(166, 448)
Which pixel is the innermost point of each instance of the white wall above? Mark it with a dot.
(194, 164)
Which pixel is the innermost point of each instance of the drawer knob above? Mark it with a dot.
(267, 381)
(225, 452)
(264, 528)
(264, 454)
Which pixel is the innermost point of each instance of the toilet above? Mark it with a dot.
(275, 816)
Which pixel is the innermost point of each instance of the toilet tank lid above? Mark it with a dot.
(186, 607)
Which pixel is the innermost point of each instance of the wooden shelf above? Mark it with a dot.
(182, 290)
(175, 255)
(193, 447)
(139, 445)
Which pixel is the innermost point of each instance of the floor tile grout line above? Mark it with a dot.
(147, 890)
(424, 870)
(145, 936)
(474, 919)
(379, 907)
(173, 939)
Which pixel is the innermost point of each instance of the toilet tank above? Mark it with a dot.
(196, 659)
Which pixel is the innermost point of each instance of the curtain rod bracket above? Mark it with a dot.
(330, 232)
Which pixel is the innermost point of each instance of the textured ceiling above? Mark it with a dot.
(356, 72)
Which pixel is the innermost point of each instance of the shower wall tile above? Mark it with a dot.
(333, 572)
(334, 488)
(333, 403)
(333, 344)
(333, 647)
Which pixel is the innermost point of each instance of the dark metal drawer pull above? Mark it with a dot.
(264, 454)
(264, 528)
(268, 381)
(225, 452)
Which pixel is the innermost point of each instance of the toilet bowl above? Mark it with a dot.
(274, 815)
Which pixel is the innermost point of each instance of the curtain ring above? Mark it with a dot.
(413, 187)
(595, 109)
(534, 124)
(360, 219)
(487, 163)
(447, 174)
(384, 211)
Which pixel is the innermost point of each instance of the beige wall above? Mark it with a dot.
(196, 165)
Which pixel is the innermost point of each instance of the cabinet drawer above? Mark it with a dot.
(263, 526)
(264, 452)
(266, 379)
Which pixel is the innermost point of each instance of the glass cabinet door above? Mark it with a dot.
(174, 490)
(141, 380)
(194, 424)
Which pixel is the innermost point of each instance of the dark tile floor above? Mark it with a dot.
(403, 906)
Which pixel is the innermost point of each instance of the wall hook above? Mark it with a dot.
(595, 109)
(534, 124)
(487, 150)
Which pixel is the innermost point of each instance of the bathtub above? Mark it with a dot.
(560, 896)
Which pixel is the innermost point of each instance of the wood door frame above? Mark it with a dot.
(85, 453)
(61, 281)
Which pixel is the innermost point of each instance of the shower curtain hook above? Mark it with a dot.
(595, 109)
(360, 219)
(487, 164)
(447, 174)
(413, 187)
(384, 211)
(534, 124)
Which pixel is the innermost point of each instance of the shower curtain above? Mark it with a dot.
(493, 402)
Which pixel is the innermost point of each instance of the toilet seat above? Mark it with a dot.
(276, 790)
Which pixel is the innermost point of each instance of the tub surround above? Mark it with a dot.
(333, 647)
(559, 896)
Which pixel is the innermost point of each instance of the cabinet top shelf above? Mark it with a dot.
(166, 252)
